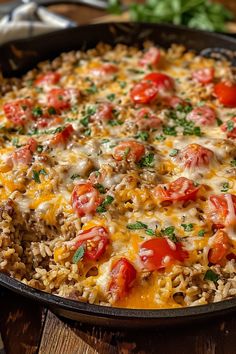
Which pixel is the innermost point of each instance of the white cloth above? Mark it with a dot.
(28, 20)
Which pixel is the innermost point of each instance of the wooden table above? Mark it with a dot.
(28, 328)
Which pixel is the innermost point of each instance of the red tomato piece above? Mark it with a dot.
(104, 112)
(220, 247)
(63, 136)
(204, 76)
(85, 199)
(173, 101)
(94, 241)
(195, 156)
(146, 119)
(123, 275)
(159, 253)
(19, 111)
(203, 115)
(129, 151)
(24, 154)
(226, 94)
(144, 92)
(230, 128)
(181, 189)
(223, 209)
(105, 69)
(61, 99)
(151, 57)
(163, 81)
(49, 78)
(48, 122)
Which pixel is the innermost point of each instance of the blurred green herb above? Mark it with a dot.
(201, 14)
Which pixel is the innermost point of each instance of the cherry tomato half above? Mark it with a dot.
(220, 247)
(146, 119)
(63, 136)
(94, 241)
(226, 94)
(164, 82)
(159, 253)
(223, 209)
(144, 92)
(204, 75)
(195, 156)
(49, 78)
(203, 115)
(19, 111)
(151, 57)
(129, 151)
(61, 99)
(85, 199)
(180, 189)
(123, 275)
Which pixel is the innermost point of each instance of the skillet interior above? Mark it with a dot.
(19, 56)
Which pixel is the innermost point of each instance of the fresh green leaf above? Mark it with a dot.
(201, 233)
(142, 136)
(210, 275)
(150, 232)
(138, 225)
(79, 253)
(37, 112)
(111, 97)
(100, 188)
(147, 160)
(187, 227)
(102, 207)
(225, 187)
(169, 131)
(230, 125)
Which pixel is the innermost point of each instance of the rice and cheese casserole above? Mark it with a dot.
(118, 177)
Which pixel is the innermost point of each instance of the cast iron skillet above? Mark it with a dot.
(18, 57)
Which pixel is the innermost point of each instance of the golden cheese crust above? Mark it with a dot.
(117, 177)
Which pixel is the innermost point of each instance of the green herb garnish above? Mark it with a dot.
(51, 110)
(74, 176)
(230, 125)
(210, 275)
(102, 207)
(150, 232)
(201, 233)
(142, 136)
(100, 188)
(36, 175)
(78, 254)
(169, 131)
(111, 97)
(37, 112)
(225, 187)
(138, 225)
(147, 160)
(173, 152)
(233, 162)
(187, 227)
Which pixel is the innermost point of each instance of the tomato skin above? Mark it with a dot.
(144, 92)
(195, 156)
(226, 94)
(181, 189)
(204, 75)
(49, 78)
(219, 206)
(164, 82)
(24, 154)
(129, 151)
(60, 98)
(151, 57)
(85, 199)
(104, 112)
(232, 132)
(19, 111)
(106, 69)
(63, 136)
(173, 101)
(220, 247)
(94, 241)
(203, 115)
(146, 119)
(123, 275)
(158, 253)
